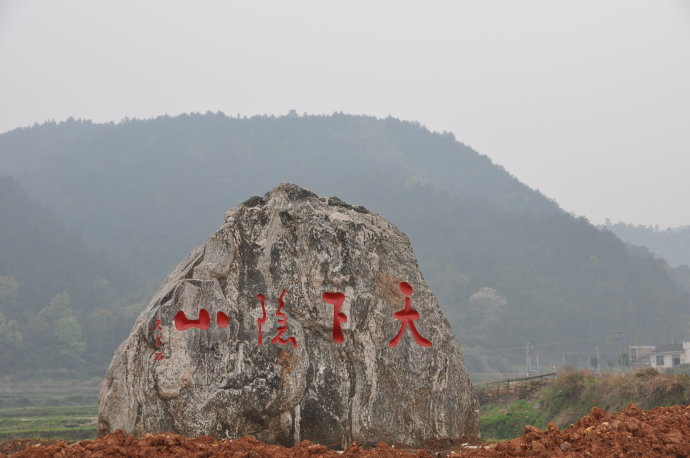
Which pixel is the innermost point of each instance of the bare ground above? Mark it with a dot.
(664, 431)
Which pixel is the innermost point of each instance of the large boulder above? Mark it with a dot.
(193, 363)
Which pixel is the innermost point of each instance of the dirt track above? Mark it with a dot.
(664, 431)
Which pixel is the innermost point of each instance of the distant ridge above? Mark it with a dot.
(673, 244)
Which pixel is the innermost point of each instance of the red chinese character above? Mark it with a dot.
(182, 322)
(159, 341)
(407, 318)
(222, 320)
(283, 321)
(158, 356)
(337, 300)
(158, 325)
(262, 320)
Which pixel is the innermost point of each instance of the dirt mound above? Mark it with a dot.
(154, 445)
(17, 445)
(664, 431)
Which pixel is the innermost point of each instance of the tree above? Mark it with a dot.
(66, 336)
(10, 341)
(68, 333)
(10, 337)
(485, 308)
(8, 293)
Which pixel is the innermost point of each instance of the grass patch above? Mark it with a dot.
(85, 410)
(64, 422)
(65, 434)
(508, 421)
(573, 394)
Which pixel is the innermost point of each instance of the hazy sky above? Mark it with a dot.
(586, 100)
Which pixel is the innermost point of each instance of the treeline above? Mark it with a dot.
(507, 264)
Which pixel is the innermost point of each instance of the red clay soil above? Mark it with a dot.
(664, 431)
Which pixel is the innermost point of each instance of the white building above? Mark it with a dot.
(666, 356)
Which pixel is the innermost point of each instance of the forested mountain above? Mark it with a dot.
(145, 189)
(508, 265)
(672, 244)
(61, 305)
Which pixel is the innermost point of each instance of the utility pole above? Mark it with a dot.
(620, 350)
(527, 358)
(598, 361)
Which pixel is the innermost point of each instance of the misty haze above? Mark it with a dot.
(534, 155)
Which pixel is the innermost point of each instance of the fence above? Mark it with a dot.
(521, 388)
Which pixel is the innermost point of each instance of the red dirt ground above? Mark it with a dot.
(664, 431)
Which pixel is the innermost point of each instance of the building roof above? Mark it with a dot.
(669, 348)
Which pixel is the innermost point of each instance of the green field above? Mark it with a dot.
(50, 408)
(64, 422)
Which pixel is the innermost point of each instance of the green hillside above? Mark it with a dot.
(508, 265)
(61, 305)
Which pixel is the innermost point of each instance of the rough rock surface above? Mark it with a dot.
(220, 382)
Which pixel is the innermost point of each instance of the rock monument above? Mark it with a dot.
(300, 318)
